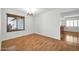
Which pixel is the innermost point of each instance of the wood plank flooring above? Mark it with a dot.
(36, 42)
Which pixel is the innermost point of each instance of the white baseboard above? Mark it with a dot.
(48, 36)
(8, 38)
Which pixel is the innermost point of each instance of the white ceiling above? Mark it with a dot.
(42, 10)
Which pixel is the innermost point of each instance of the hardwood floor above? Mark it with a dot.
(36, 42)
(71, 36)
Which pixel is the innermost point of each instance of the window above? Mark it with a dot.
(78, 23)
(67, 23)
(15, 23)
(72, 23)
(75, 23)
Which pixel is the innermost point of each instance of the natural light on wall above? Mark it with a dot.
(30, 11)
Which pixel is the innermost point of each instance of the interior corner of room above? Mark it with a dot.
(54, 23)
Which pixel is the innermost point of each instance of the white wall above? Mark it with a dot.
(28, 24)
(48, 24)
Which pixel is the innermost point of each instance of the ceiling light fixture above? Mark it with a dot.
(30, 11)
